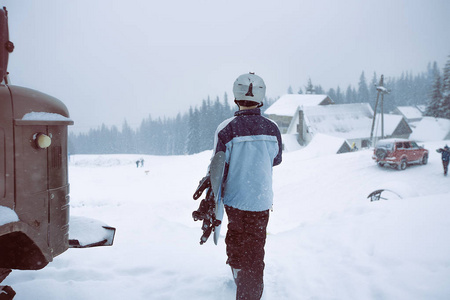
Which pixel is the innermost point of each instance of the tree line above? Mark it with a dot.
(193, 131)
(407, 90)
(187, 133)
(439, 102)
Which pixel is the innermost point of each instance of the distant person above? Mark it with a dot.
(445, 156)
(142, 162)
(137, 163)
(252, 146)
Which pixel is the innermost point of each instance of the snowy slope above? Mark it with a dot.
(431, 129)
(326, 239)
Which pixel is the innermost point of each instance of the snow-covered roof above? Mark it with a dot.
(422, 108)
(431, 129)
(391, 123)
(348, 121)
(322, 145)
(410, 112)
(345, 120)
(337, 118)
(288, 104)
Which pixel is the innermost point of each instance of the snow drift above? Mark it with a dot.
(325, 240)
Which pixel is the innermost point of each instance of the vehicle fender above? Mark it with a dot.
(22, 248)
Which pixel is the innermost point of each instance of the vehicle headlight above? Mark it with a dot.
(42, 140)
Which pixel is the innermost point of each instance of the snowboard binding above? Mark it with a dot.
(206, 210)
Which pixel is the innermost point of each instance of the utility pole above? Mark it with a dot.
(381, 90)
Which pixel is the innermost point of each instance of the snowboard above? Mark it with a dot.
(211, 208)
(216, 172)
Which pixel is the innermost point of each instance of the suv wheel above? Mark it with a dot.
(381, 153)
(425, 159)
(402, 165)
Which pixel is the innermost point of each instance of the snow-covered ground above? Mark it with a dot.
(325, 240)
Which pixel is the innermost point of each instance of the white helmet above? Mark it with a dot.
(249, 87)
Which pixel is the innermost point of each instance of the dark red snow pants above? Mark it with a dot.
(445, 165)
(245, 240)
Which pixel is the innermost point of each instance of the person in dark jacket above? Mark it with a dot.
(445, 156)
(252, 146)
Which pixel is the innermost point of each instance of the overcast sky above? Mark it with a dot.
(111, 60)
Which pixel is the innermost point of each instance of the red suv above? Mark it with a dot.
(399, 153)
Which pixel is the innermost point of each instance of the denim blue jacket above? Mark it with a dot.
(252, 145)
(445, 154)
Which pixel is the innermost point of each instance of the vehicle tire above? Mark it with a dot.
(425, 159)
(402, 165)
(380, 153)
(380, 164)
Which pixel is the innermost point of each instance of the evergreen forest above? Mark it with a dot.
(193, 131)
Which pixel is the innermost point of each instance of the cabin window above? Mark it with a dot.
(414, 145)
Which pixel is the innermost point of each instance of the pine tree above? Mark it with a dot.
(363, 90)
(218, 110)
(226, 107)
(446, 91)
(332, 94)
(309, 89)
(435, 104)
(193, 138)
(446, 78)
(373, 88)
(114, 138)
(390, 100)
(127, 139)
(339, 97)
(318, 90)
(207, 127)
(350, 95)
(290, 91)
(421, 87)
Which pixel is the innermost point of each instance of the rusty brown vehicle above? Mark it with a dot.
(34, 186)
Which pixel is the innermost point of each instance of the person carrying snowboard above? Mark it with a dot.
(252, 146)
(445, 156)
